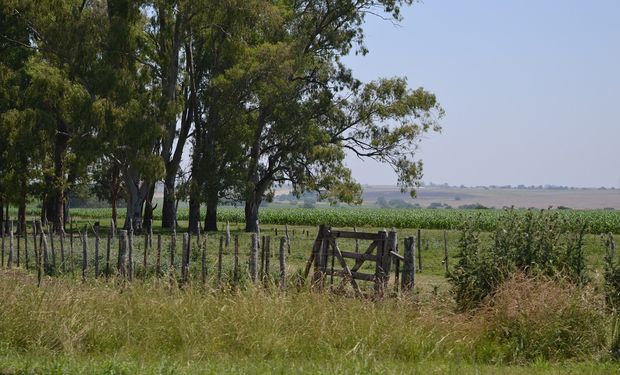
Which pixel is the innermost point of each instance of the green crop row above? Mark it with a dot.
(596, 221)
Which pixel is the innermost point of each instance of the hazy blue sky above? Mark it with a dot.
(531, 89)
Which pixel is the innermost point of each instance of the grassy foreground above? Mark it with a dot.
(151, 327)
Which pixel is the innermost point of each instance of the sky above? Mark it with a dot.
(531, 89)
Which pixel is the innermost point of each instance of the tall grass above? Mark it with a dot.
(144, 324)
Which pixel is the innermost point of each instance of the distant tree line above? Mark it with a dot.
(108, 95)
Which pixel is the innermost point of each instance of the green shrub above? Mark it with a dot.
(534, 244)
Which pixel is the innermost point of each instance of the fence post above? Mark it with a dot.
(107, 253)
(445, 250)
(282, 264)
(26, 257)
(408, 277)
(42, 251)
(253, 257)
(71, 260)
(45, 255)
(173, 245)
(9, 262)
(288, 239)
(146, 248)
(122, 251)
(130, 253)
(63, 266)
(158, 260)
(2, 258)
(96, 254)
(204, 259)
(227, 234)
(19, 232)
(236, 260)
(267, 256)
(84, 256)
(219, 260)
(419, 248)
(185, 259)
(52, 248)
(261, 272)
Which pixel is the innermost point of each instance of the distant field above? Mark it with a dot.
(498, 198)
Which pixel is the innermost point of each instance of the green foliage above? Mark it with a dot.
(532, 244)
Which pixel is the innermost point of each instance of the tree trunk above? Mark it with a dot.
(61, 143)
(137, 192)
(116, 187)
(169, 213)
(148, 207)
(194, 213)
(251, 214)
(1, 217)
(21, 210)
(211, 216)
(114, 211)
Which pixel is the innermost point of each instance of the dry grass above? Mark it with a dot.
(154, 328)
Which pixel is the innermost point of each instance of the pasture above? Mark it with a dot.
(155, 324)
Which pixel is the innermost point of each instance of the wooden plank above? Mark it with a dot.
(397, 255)
(358, 256)
(355, 235)
(359, 263)
(354, 275)
(408, 279)
(345, 267)
(380, 271)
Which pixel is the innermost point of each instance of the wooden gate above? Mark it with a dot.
(382, 250)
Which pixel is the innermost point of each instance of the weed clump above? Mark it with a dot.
(542, 318)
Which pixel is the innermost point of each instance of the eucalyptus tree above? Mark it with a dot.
(306, 109)
(167, 37)
(220, 33)
(52, 99)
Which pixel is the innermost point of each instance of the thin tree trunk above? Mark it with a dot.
(251, 215)
(21, 210)
(1, 217)
(211, 217)
(194, 214)
(169, 212)
(148, 207)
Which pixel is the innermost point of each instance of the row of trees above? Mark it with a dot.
(108, 95)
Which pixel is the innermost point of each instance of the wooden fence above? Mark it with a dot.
(92, 253)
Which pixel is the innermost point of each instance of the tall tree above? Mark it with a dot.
(167, 32)
(307, 108)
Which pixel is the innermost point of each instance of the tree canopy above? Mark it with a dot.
(111, 94)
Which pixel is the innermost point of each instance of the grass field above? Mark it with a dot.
(68, 327)
(153, 326)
